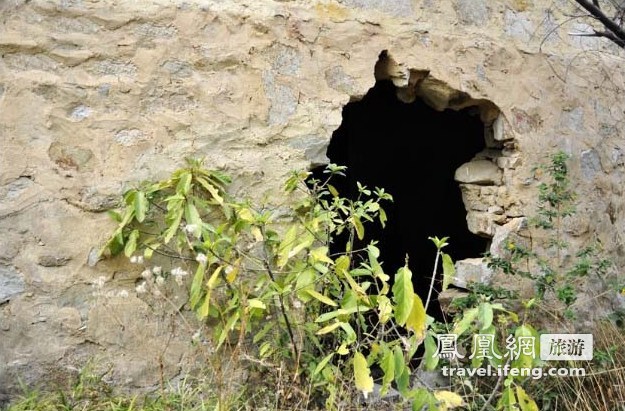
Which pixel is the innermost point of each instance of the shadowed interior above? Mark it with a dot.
(412, 151)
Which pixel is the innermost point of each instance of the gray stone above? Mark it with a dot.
(506, 233)
(590, 163)
(573, 119)
(339, 81)
(93, 257)
(314, 148)
(399, 8)
(80, 113)
(518, 25)
(128, 138)
(11, 283)
(473, 12)
(115, 68)
(376, 399)
(282, 99)
(472, 270)
(447, 297)
(15, 188)
(25, 62)
(285, 60)
(483, 172)
(11, 246)
(153, 30)
(104, 89)
(52, 261)
(178, 68)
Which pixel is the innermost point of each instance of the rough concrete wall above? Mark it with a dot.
(97, 95)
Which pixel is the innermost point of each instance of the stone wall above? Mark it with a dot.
(95, 96)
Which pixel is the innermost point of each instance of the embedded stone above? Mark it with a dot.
(483, 172)
(472, 270)
(52, 261)
(11, 283)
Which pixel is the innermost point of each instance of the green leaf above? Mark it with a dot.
(382, 217)
(141, 206)
(184, 183)
(193, 217)
(360, 229)
(417, 319)
(227, 328)
(525, 401)
(362, 374)
(322, 364)
(196, 286)
(131, 243)
(402, 373)
(204, 309)
(350, 334)
(439, 243)
(388, 366)
(403, 295)
(322, 298)
(214, 192)
(421, 398)
(286, 246)
(449, 271)
(485, 315)
(341, 311)
(333, 190)
(467, 320)
(431, 360)
(117, 217)
(526, 360)
(173, 224)
(507, 402)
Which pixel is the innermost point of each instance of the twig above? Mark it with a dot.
(492, 394)
(287, 322)
(427, 302)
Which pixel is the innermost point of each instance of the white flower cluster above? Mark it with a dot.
(151, 276)
(179, 274)
(136, 259)
(201, 258)
(98, 286)
(192, 229)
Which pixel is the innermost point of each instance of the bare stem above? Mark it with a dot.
(427, 302)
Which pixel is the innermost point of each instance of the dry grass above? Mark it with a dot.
(603, 387)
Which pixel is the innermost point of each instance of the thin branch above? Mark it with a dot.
(616, 30)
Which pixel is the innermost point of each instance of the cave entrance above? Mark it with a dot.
(412, 151)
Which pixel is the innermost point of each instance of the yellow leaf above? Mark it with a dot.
(329, 328)
(256, 303)
(448, 400)
(258, 235)
(212, 281)
(232, 271)
(342, 350)
(321, 254)
(385, 309)
(364, 382)
(525, 401)
(417, 318)
(321, 298)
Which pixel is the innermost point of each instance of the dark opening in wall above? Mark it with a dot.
(412, 151)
